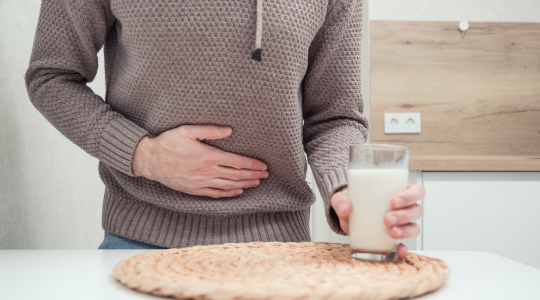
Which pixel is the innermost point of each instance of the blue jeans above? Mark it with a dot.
(113, 241)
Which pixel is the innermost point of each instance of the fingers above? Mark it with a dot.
(225, 184)
(405, 231)
(213, 132)
(241, 162)
(344, 225)
(234, 174)
(403, 216)
(216, 193)
(342, 205)
(205, 132)
(401, 251)
(411, 195)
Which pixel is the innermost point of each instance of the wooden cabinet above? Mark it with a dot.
(478, 96)
(495, 212)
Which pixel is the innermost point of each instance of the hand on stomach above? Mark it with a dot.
(179, 160)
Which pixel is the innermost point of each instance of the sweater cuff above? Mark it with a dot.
(328, 184)
(118, 143)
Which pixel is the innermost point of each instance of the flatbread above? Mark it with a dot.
(278, 271)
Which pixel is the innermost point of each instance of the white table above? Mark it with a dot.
(86, 274)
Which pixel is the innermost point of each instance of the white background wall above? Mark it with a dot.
(50, 191)
(456, 10)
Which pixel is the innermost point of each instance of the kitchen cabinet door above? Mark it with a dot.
(494, 212)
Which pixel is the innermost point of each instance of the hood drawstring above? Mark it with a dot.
(256, 55)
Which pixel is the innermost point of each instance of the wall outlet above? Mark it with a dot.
(402, 123)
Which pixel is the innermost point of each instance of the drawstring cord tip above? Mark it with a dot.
(256, 55)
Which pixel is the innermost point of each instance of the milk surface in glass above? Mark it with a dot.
(371, 191)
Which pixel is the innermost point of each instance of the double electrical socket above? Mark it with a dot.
(402, 123)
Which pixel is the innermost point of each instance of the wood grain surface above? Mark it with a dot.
(475, 163)
(479, 95)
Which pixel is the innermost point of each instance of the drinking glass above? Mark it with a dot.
(376, 173)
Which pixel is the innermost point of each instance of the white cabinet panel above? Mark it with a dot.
(477, 211)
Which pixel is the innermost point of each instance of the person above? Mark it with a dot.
(209, 109)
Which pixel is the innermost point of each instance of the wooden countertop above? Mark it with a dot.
(475, 163)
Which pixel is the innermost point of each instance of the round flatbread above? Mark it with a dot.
(278, 271)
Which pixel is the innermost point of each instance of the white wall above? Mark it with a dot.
(50, 191)
(456, 10)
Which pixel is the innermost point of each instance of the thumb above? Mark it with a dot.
(206, 132)
(342, 205)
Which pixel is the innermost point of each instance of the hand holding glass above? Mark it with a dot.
(376, 173)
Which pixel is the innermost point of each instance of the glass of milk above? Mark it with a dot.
(376, 173)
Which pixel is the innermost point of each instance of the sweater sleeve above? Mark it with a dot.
(64, 58)
(332, 100)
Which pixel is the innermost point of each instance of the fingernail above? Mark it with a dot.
(239, 192)
(399, 232)
(341, 207)
(393, 220)
(255, 182)
(260, 168)
(400, 202)
(222, 128)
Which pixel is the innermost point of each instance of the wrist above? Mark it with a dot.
(140, 165)
(341, 189)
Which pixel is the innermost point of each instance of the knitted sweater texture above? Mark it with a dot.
(169, 63)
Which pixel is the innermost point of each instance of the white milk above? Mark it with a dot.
(370, 192)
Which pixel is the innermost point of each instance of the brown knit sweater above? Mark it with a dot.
(170, 63)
